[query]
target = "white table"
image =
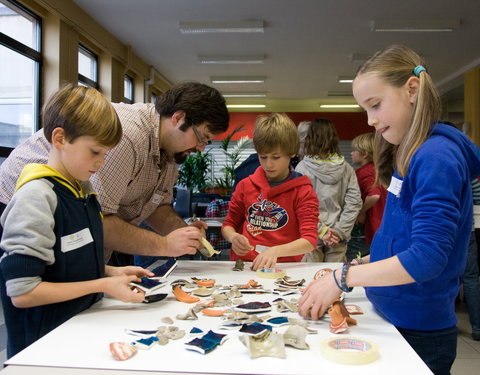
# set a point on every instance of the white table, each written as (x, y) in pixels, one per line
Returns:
(81, 345)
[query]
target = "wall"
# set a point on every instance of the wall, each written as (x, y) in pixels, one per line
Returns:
(348, 125)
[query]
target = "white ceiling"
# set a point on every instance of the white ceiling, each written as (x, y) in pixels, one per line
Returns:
(307, 43)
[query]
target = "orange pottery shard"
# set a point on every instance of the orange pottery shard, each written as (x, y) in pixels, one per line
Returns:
(212, 312)
(182, 296)
(208, 283)
(122, 350)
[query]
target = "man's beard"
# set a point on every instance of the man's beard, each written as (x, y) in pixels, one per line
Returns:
(180, 157)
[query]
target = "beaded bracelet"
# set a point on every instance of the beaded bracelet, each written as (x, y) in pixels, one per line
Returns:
(343, 279)
(343, 287)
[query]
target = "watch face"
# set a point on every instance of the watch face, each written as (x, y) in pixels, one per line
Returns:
(166, 268)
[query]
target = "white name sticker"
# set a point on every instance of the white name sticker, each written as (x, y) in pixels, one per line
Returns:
(260, 248)
(395, 186)
(75, 240)
(156, 199)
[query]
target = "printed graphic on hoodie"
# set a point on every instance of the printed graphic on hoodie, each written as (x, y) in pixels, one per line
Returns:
(265, 215)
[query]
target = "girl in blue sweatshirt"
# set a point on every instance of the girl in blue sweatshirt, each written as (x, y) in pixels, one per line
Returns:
(419, 252)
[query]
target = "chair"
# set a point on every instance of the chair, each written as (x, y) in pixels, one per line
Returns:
(183, 202)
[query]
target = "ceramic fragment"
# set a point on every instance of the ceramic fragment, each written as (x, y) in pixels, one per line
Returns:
(190, 315)
(268, 344)
(295, 336)
(167, 320)
(145, 343)
(122, 350)
(203, 292)
(183, 296)
(239, 265)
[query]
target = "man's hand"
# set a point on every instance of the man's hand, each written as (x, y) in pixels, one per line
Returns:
(183, 241)
(201, 225)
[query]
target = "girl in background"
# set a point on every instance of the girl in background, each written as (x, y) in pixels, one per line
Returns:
(335, 183)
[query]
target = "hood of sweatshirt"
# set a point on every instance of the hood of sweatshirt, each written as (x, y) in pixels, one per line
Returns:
(259, 179)
(329, 171)
(35, 171)
(467, 148)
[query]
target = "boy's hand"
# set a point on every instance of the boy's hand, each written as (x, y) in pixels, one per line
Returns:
(127, 271)
(119, 288)
(240, 244)
(267, 259)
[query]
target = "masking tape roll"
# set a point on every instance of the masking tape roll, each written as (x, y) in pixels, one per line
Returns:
(349, 350)
(271, 273)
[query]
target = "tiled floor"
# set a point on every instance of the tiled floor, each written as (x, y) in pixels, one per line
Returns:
(468, 351)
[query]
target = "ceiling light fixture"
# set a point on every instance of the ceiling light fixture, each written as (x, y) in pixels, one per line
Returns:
(244, 94)
(237, 79)
(221, 27)
(420, 25)
(345, 79)
(339, 106)
(245, 105)
(220, 59)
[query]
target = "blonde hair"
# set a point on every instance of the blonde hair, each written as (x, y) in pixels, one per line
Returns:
(322, 139)
(395, 65)
(363, 143)
(276, 131)
(82, 111)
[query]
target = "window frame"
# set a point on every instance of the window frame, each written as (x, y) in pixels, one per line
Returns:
(83, 79)
(31, 53)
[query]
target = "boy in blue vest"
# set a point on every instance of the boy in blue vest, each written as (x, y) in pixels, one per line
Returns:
(53, 265)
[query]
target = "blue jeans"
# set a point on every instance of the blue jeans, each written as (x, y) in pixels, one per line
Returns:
(437, 349)
(355, 246)
(471, 285)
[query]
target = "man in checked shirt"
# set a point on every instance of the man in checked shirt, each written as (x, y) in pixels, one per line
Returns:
(136, 183)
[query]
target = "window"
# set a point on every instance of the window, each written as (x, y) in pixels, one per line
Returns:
(87, 67)
(19, 75)
(153, 98)
(128, 89)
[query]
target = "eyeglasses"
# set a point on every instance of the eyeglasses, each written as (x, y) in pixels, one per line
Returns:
(201, 141)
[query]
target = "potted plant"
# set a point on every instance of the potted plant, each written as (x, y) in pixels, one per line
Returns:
(232, 159)
(193, 173)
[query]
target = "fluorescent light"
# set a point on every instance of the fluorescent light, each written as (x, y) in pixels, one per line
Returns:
(339, 106)
(244, 94)
(237, 79)
(219, 59)
(245, 105)
(345, 79)
(419, 25)
(221, 27)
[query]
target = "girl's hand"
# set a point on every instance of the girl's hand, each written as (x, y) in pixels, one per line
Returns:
(127, 271)
(240, 244)
(119, 288)
(267, 259)
(318, 296)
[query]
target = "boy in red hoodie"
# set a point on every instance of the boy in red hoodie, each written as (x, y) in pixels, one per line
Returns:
(273, 213)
